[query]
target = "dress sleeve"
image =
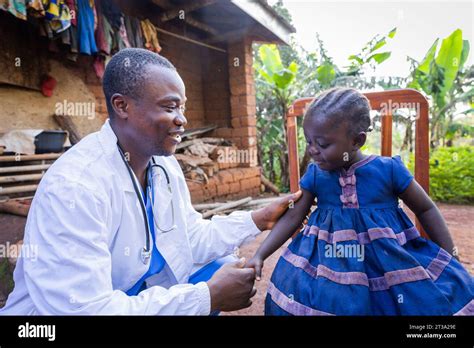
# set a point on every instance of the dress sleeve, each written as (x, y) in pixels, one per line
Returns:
(401, 176)
(308, 181)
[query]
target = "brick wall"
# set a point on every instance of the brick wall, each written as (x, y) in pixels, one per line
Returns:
(243, 130)
(220, 90)
(227, 184)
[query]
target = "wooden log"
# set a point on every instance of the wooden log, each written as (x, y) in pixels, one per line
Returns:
(17, 189)
(15, 208)
(261, 201)
(66, 123)
(193, 161)
(226, 206)
(20, 178)
(269, 185)
(30, 168)
(197, 131)
(22, 158)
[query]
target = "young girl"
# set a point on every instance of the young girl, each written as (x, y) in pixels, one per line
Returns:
(360, 254)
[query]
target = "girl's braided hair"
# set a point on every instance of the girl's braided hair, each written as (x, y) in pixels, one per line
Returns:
(342, 105)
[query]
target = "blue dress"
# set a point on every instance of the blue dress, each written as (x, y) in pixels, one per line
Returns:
(361, 255)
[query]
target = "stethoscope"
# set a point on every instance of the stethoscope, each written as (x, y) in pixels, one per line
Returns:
(146, 251)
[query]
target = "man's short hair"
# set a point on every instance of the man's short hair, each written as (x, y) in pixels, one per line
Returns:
(126, 73)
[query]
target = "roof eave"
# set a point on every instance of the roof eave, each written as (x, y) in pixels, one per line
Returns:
(267, 18)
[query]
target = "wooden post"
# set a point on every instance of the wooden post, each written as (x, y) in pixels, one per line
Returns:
(386, 138)
(292, 134)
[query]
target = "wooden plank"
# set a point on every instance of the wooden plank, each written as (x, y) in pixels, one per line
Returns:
(292, 134)
(22, 158)
(17, 189)
(19, 178)
(386, 137)
(226, 206)
(189, 19)
(171, 14)
(31, 168)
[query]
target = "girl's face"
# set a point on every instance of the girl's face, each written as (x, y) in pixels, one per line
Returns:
(330, 144)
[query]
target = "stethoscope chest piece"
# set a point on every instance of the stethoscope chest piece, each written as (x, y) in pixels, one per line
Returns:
(145, 255)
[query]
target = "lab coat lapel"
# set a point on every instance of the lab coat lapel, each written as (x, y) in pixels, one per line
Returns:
(168, 243)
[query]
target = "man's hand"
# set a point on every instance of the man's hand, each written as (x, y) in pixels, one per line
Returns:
(231, 287)
(266, 217)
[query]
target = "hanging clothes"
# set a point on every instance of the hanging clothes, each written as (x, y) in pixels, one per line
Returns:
(72, 7)
(15, 7)
(134, 31)
(112, 13)
(151, 36)
(58, 16)
(123, 34)
(104, 32)
(85, 27)
(35, 9)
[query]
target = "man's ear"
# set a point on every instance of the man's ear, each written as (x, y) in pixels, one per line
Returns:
(359, 140)
(120, 105)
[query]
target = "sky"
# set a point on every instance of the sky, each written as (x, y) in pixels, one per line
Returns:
(345, 27)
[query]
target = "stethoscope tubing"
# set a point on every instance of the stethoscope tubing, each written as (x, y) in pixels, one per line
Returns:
(146, 252)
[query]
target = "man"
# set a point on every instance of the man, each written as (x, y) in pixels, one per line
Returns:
(112, 218)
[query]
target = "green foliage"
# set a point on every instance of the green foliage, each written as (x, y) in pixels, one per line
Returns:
(451, 174)
(369, 54)
(272, 70)
(443, 77)
(6, 277)
(285, 73)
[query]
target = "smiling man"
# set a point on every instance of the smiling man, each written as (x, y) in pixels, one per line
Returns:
(112, 218)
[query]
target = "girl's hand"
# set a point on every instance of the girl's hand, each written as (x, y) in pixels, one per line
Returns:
(256, 263)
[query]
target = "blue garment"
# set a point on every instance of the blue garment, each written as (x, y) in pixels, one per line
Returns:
(157, 262)
(85, 27)
(361, 255)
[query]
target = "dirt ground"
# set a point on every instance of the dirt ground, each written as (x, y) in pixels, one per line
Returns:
(458, 217)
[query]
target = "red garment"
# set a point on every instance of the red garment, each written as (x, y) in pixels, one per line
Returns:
(47, 85)
(72, 7)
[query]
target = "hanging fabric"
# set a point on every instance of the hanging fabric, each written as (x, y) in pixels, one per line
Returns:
(15, 7)
(58, 15)
(85, 27)
(134, 31)
(151, 36)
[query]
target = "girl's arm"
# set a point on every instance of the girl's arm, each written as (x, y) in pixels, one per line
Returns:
(283, 230)
(429, 216)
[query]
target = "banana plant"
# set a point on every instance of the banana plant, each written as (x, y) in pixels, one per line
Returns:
(442, 76)
(370, 53)
(279, 78)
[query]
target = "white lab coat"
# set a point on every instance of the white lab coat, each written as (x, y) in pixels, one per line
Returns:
(88, 227)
